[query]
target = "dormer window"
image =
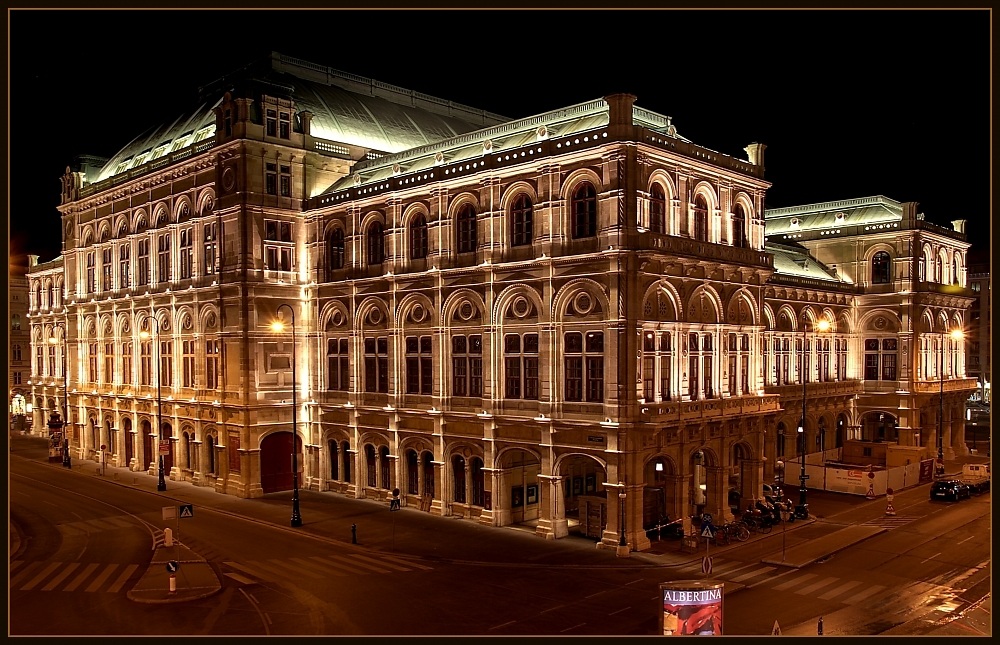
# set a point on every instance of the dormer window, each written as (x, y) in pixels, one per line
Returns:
(795, 222)
(839, 217)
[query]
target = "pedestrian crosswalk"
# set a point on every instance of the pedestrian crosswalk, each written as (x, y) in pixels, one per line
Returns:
(93, 577)
(318, 567)
(88, 527)
(891, 521)
(811, 585)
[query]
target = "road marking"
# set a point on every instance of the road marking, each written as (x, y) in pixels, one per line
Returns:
(241, 579)
(83, 576)
(752, 574)
(122, 578)
(68, 569)
(328, 567)
(552, 609)
(830, 595)
(861, 595)
(620, 610)
(359, 564)
(24, 573)
(384, 562)
(99, 580)
(295, 566)
(573, 627)
(407, 563)
(930, 558)
(273, 571)
(510, 622)
(41, 576)
(817, 585)
(794, 581)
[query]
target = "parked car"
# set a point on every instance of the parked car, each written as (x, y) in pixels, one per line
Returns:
(951, 489)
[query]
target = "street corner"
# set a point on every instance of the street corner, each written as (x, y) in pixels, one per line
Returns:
(175, 581)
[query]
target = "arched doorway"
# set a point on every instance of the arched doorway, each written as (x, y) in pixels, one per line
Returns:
(841, 431)
(147, 444)
(586, 507)
(129, 440)
(740, 482)
(276, 461)
(659, 493)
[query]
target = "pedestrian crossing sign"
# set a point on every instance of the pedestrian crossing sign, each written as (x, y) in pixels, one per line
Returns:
(708, 531)
(187, 510)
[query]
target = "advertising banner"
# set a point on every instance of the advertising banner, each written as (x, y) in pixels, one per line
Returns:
(691, 608)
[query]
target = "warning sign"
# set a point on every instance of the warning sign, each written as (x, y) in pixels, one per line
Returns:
(187, 510)
(708, 531)
(776, 630)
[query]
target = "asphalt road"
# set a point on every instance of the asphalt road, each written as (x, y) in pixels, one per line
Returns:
(415, 574)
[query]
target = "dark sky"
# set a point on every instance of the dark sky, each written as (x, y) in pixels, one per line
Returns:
(850, 103)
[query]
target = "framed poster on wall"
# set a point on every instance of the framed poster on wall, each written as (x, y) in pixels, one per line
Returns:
(591, 483)
(578, 485)
(533, 494)
(517, 496)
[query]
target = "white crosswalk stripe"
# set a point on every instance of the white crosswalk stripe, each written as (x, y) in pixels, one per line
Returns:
(890, 521)
(69, 576)
(320, 566)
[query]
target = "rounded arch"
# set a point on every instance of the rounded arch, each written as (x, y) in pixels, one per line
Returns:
(568, 456)
(662, 291)
(140, 221)
(706, 190)
(566, 294)
(365, 319)
(456, 299)
(666, 182)
(208, 318)
(122, 226)
(161, 215)
(515, 190)
(880, 320)
(501, 454)
(506, 297)
(768, 317)
(206, 202)
(700, 312)
(182, 209)
(88, 236)
(786, 319)
(333, 314)
(742, 309)
(413, 306)
(104, 231)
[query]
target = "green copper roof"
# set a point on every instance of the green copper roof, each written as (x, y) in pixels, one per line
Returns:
(831, 215)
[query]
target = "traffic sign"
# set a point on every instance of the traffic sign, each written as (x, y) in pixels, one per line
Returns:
(173, 566)
(187, 510)
(706, 518)
(708, 531)
(776, 630)
(706, 565)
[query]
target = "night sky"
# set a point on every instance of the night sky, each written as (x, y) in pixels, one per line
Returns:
(850, 103)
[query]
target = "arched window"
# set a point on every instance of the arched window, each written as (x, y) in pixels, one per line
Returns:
(584, 210)
(335, 249)
(209, 452)
(954, 271)
(383, 467)
(376, 243)
(345, 448)
(740, 228)
(334, 459)
(880, 268)
(467, 229)
(521, 216)
(418, 238)
(412, 473)
(657, 209)
(370, 464)
(458, 476)
(700, 219)
(15, 323)
(51, 296)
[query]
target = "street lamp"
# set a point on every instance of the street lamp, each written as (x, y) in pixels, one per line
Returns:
(956, 335)
(161, 484)
(802, 510)
(67, 460)
(622, 542)
(279, 326)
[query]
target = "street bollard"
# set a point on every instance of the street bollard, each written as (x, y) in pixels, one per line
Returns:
(168, 537)
(173, 584)
(354, 533)
(819, 627)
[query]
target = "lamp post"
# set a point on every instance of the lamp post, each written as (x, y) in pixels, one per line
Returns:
(802, 510)
(279, 326)
(161, 484)
(956, 335)
(622, 542)
(67, 460)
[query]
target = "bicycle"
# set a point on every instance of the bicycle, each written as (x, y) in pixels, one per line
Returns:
(738, 529)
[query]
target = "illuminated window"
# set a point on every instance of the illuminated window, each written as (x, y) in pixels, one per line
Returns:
(880, 359)
(584, 211)
(467, 229)
(418, 238)
(584, 366)
(700, 219)
(211, 247)
(467, 365)
(375, 238)
(521, 216)
(881, 264)
(657, 209)
(278, 245)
